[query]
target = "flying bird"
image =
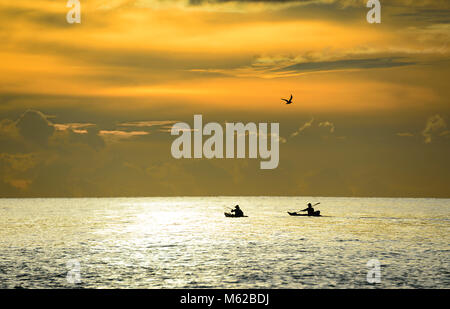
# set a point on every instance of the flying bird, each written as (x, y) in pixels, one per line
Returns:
(288, 101)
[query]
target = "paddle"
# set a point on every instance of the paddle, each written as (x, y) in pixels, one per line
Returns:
(312, 205)
(229, 209)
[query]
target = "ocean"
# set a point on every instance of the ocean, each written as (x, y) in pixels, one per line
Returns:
(186, 242)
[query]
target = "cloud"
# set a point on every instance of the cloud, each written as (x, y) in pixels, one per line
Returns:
(90, 136)
(8, 129)
(14, 169)
(303, 127)
(32, 130)
(282, 140)
(369, 63)
(223, 5)
(168, 129)
(307, 62)
(122, 133)
(198, 2)
(310, 124)
(326, 124)
(435, 125)
(431, 16)
(143, 124)
(405, 134)
(34, 126)
(445, 133)
(19, 162)
(75, 127)
(333, 3)
(118, 134)
(260, 134)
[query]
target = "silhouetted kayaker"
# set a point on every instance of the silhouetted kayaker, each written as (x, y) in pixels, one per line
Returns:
(237, 211)
(310, 210)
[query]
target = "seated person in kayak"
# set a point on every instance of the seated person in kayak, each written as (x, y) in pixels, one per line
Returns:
(237, 211)
(310, 210)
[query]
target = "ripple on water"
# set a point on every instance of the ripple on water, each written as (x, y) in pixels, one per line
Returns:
(186, 242)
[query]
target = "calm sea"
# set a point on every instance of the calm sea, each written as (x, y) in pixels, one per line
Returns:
(186, 242)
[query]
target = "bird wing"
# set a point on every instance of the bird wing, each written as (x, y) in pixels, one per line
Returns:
(285, 100)
(290, 98)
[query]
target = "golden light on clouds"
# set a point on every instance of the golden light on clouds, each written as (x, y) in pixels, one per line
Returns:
(115, 83)
(130, 41)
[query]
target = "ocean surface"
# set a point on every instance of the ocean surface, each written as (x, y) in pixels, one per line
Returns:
(186, 242)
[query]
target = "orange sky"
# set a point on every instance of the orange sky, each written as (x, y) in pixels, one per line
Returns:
(220, 51)
(152, 60)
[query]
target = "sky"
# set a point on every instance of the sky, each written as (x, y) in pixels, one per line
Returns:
(86, 109)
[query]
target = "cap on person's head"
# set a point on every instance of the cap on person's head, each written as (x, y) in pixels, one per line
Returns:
(237, 206)
(309, 204)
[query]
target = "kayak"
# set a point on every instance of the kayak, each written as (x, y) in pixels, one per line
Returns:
(316, 214)
(227, 214)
